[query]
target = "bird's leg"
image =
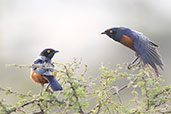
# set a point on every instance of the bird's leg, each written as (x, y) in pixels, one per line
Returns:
(41, 90)
(47, 89)
(131, 64)
(138, 64)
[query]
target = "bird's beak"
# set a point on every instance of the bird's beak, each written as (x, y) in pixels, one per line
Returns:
(103, 33)
(56, 51)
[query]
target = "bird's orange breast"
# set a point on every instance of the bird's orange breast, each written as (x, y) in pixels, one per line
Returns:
(37, 78)
(128, 42)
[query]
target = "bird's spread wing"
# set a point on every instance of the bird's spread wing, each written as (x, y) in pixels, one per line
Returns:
(154, 44)
(148, 52)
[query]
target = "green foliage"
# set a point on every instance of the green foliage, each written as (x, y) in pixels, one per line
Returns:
(81, 92)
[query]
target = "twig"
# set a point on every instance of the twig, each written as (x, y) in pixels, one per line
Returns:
(67, 104)
(25, 104)
(97, 106)
(134, 112)
(108, 110)
(165, 112)
(74, 92)
(146, 94)
(123, 87)
(62, 102)
(33, 101)
(119, 99)
(41, 109)
(33, 66)
(155, 96)
(14, 92)
(4, 108)
(161, 103)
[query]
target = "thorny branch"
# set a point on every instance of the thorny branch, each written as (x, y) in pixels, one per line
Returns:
(14, 92)
(32, 66)
(165, 112)
(119, 90)
(98, 110)
(74, 92)
(146, 94)
(14, 109)
(38, 101)
(4, 108)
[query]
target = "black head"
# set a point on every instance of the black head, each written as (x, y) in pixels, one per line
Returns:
(111, 33)
(49, 53)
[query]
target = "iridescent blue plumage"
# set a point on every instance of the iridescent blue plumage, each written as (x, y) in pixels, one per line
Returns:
(43, 70)
(144, 48)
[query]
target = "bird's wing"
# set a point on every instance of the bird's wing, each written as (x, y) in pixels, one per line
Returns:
(43, 67)
(148, 52)
(128, 42)
(154, 44)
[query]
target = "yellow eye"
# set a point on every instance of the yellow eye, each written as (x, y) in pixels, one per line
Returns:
(110, 31)
(48, 51)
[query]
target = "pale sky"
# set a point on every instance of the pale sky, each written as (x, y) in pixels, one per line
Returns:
(73, 27)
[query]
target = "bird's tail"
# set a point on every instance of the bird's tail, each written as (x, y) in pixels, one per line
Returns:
(54, 83)
(151, 57)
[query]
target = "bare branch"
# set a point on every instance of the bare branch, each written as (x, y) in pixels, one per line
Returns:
(123, 87)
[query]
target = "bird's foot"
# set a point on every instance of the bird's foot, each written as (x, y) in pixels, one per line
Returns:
(132, 63)
(130, 66)
(138, 66)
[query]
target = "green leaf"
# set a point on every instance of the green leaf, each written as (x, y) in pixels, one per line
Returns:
(21, 96)
(143, 90)
(134, 93)
(140, 83)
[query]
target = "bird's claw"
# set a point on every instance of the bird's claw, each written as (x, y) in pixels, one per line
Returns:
(130, 66)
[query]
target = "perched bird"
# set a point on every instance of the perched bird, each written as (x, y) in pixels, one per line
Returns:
(143, 47)
(42, 71)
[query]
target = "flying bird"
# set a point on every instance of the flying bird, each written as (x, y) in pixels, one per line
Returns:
(42, 71)
(145, 49)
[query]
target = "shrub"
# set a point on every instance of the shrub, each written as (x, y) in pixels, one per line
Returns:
(82, 91)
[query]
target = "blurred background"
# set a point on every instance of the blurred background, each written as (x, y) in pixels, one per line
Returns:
(73, 27)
